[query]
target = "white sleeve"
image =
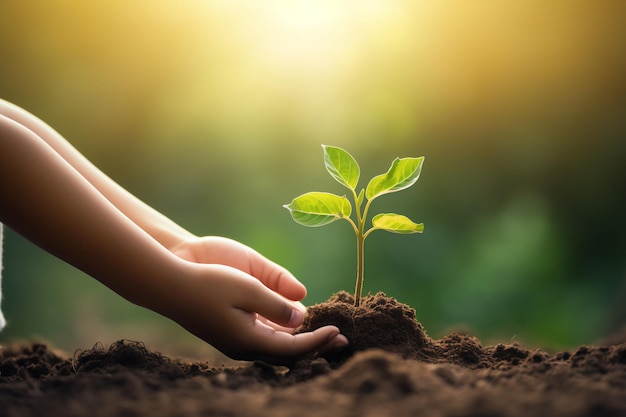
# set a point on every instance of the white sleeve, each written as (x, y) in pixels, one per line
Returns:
(2, 321)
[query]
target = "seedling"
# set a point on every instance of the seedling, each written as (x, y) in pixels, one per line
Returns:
(316, 209)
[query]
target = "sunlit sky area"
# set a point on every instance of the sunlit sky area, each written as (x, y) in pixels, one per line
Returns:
(350, 71)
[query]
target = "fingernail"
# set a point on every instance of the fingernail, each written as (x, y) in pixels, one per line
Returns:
(296, 319)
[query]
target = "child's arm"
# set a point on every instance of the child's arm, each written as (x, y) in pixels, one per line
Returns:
(178, 240)
(47, 199)
(154, 223)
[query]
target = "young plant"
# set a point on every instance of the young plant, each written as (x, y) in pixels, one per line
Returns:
(316, 209)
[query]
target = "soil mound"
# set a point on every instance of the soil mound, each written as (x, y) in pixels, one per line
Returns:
(378, 322)
(392, 368)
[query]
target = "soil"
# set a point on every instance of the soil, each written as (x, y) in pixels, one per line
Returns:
(391, 368)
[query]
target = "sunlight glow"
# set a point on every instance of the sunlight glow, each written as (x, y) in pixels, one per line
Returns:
(308, 13)
(315, 34)
(317, 70)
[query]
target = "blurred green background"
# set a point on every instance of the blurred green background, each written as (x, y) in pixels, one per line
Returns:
(214, 111)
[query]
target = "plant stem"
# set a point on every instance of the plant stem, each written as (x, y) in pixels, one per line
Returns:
(360, 244)
(360, 240)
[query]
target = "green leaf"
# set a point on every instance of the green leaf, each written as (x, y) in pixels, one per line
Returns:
(318, 209)
(402, 174)
(341, 166)
(396, 223)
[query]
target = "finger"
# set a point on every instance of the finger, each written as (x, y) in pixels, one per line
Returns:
(283, 346)
(257, 298)
(278, 327)
(275, 326)
(275, 277)
(337, 343)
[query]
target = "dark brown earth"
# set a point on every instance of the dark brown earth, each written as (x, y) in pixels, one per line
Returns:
(392, 368)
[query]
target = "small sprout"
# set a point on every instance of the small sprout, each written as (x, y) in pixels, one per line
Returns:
(316, 209)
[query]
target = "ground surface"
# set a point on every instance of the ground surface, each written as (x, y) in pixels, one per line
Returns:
(392, 370)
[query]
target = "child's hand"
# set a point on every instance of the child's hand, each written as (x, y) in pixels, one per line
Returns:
(244, 304)
(228, 252)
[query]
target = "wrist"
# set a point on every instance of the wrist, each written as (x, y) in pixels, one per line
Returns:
(170, 235)
(156, 278)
